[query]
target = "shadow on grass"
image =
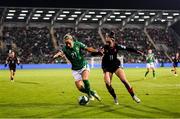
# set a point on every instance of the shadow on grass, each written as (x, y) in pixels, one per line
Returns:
(137, 80)
(163, 111)
(25, 82)
(101, 110)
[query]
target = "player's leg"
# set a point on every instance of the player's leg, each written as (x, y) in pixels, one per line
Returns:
(108, 80)
(11, 75)
(14, 71)
(147, 72)
(172, 70)
(152, 66)
(154, 74)
(78, 81)
(148, 69)
(175, 71)
(80, 86)
(85, 76)
(121, 75)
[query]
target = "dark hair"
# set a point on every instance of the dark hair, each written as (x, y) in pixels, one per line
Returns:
(111, 34)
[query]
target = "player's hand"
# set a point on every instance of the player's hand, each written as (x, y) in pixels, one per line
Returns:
(52, 60)
(101, 51)
(140, 52)
(97, 52)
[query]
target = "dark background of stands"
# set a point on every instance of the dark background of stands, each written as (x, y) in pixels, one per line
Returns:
(40, 38)
(176, 27)
(111, 4)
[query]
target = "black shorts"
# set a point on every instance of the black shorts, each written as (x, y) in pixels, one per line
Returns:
(12, 68)
(111, 68)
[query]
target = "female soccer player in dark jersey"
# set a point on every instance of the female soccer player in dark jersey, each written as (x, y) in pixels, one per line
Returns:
(175, 61)
(80, 67)
(111, 64)
(12, 60)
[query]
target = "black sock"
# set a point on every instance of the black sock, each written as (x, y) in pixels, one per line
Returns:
(130, 89)
(11, 78)
(111, 90)
(146, 73)
(131, 92)
(87, 87)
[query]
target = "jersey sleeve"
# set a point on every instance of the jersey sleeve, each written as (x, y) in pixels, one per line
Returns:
(63, 49)
(82, 45)
(122, 47)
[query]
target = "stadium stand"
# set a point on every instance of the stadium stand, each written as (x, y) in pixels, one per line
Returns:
(28, 31)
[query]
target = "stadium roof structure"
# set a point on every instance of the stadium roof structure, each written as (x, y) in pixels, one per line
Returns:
(97, 16)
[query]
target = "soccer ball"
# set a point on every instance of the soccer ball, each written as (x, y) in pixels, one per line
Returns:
(83, 100)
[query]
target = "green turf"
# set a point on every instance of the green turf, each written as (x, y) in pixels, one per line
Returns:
(52, 93)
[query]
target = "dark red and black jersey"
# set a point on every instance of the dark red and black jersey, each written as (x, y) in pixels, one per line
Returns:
(110, 53)
(12, 61)
(175, 60)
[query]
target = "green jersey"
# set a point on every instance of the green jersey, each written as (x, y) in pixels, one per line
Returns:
(150, 58)
(75, 56)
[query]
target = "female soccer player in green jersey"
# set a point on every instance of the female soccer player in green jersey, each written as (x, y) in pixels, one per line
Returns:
(80, 67)
(150, 60)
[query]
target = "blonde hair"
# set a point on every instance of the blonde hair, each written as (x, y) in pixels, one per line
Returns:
(68, 36)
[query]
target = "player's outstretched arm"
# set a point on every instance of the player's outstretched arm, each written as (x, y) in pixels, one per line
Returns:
(171, 59)
(95, 52)
(18, 61)
(122, 47)
(140, 52)
(62, 55)
(59, 54)
(90, 49)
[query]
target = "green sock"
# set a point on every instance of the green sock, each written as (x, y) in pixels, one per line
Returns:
(154, 74)
(87, 87)
(83, 89)
(92, 92)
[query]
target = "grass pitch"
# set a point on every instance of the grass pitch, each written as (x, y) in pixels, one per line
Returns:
(52, 94)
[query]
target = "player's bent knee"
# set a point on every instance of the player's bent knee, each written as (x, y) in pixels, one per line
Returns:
(79, 84)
